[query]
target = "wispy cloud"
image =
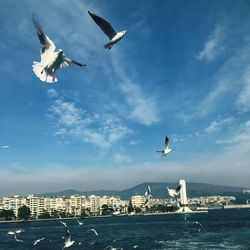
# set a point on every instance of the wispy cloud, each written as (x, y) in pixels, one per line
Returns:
(243, 101)
(212, 46)
(218, 124)
(143, 107)
(120, 158)
(100, 130)
(51, 93)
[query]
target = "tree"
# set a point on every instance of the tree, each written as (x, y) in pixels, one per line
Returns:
(7, 214)
(85, 212)
(44, 215)
(24, 212)
(138, 210)
(106, 210)
(130, 207)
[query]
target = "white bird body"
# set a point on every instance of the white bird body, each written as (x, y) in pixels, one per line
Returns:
(11, 233)
(37, 241)
(68, 242)
(18, 231)
(166, 150)
(93, 230)
(80, 223)
(115, 39)
(64, 223)
(172, 192)
(109, 31)
(51, 60)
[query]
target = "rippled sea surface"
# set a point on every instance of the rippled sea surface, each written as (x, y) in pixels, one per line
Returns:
(219, 229)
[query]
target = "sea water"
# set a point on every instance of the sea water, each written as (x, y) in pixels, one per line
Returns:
(217, 229)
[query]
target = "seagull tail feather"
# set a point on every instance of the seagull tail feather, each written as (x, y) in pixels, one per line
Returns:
(42, 74)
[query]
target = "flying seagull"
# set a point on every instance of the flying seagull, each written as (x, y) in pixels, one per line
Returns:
(67, 240)
(107, 28)
(37, 241)
(20, 230)
(51, 60)
(166, 149)
(80, 223)
(196, 222)
(112, 248)
(148, 194)
(64, 223)
(174, 192)
(17, 239)
(93, 230)
(11, 232)
(4, 146)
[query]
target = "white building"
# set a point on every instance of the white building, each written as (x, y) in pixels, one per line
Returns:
(138, 200)
(94, 204)
(13, 203)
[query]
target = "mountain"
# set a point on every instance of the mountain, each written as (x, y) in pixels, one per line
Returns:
(158, 190)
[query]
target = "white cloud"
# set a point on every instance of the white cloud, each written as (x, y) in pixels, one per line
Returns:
(100, 130)
(218, 124)
(52, 93)
(212, 46)
(243, 101)
(143, 107)
(120, 158)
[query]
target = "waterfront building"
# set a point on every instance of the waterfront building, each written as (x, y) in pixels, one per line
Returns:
(36, 205)
(94, 205)
(138, 201)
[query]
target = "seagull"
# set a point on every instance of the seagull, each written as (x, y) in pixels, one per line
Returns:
(64, 223)
(51, 60)
(196, 222)
(148, 194)
(20, 230)
(166, 149)
(93, 230)
(11, 233)
(174, 192)
(17, 239)
(107, 28)
(112, 248)
(80, 223)
(37, 241)
(67, 241)
(4, 146)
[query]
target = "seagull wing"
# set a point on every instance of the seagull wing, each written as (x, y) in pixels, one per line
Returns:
(65, 62)
(166, 141)
(177, 190)
(105, 26)
(67, 237)
(149, 190)
(46, 44)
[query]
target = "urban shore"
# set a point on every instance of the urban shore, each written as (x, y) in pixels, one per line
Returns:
(76, 206)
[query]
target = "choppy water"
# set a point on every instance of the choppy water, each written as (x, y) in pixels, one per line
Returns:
(222, 229)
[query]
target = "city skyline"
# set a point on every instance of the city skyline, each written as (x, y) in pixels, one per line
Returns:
(181, 70)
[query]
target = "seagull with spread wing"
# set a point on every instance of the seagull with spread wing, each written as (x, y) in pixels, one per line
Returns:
(67, 240)
(148, 194)
(109, 31)
(51, 60)
(166, 149)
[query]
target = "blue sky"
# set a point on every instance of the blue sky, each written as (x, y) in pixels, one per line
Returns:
(183, 69)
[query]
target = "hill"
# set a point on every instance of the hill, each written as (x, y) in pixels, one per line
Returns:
(158, 190)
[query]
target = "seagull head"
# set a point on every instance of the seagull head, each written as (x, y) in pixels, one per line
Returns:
(124, 32)
(60, 51)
